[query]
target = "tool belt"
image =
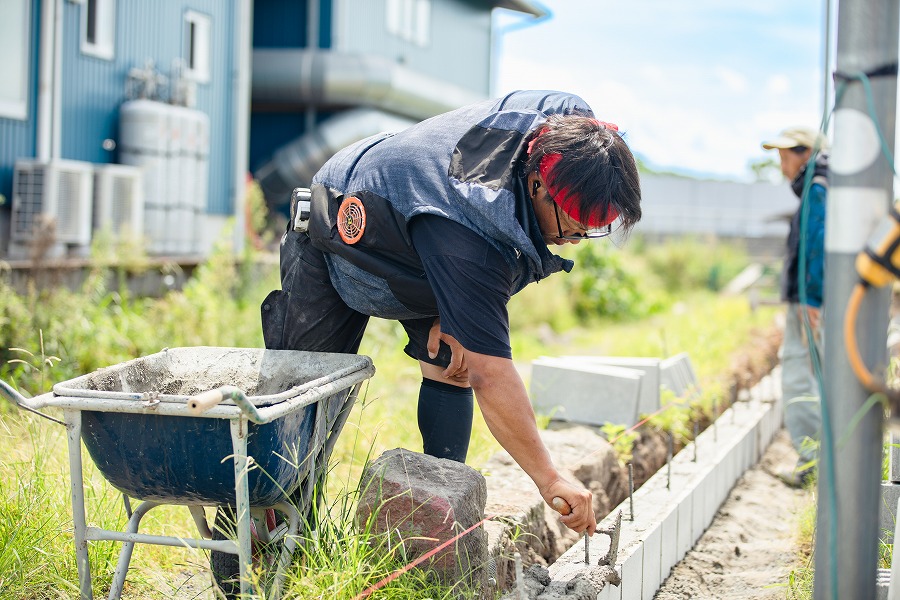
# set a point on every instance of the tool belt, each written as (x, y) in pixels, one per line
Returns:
(300, 209)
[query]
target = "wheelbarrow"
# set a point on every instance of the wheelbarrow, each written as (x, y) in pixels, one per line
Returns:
(243, 428)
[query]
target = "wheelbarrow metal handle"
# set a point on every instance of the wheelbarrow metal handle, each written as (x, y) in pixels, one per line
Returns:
(11, 394)
(204, 401)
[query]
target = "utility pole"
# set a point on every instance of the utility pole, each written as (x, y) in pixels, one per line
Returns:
(860, 194)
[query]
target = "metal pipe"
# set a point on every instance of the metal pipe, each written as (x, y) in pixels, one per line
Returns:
(45, 81)
(134, 522)
(242, 501)
(859, 197)
(241, 88)
(79, 522)
(96, 534)
(56, 122)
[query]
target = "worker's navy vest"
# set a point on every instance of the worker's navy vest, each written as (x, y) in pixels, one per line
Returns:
(464, 165)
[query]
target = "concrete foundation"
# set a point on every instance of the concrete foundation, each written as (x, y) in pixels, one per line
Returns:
(671, 514)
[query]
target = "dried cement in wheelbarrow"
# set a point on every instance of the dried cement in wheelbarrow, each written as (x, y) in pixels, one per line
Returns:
(187, 459)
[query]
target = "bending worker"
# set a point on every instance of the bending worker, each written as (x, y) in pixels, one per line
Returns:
(437, 226)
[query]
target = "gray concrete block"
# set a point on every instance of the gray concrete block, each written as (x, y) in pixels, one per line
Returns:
(685, 539)
(668, 546)
(883, 584)
(651, 563)
(677, 375)
(589, 394)
(890, 493)
(649, 400)
(610, 592)
(632, 575)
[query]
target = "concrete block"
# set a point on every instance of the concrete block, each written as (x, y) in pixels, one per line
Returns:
(894, 469)
(651, 563)
(632, 575)
(890, 493)
(649, 399)
(610, 592)
(677, 374)
(685, 539)
(587, 394)
(883, 584)
(668, 545)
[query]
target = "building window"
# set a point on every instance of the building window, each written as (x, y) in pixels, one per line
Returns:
(98, 28)
(197, 46)
(409, 20)
(15, 48)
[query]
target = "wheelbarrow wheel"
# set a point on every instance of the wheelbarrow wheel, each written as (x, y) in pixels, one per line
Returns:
(226, 567)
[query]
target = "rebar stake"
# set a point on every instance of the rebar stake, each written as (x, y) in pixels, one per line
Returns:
(631, 490)
(669, 461)
(587, 549)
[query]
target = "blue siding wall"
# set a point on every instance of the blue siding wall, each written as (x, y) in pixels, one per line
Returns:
(93, 88)
(18, 138)
(283, 23)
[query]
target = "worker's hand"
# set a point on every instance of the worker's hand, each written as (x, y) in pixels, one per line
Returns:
(577, 500)
(457, 370)
(813, 313)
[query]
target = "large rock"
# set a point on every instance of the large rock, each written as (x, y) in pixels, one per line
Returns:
(426, 501)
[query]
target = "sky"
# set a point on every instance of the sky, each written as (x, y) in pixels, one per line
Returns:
(695, 85)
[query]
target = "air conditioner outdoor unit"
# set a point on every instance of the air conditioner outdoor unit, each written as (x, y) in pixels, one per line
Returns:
(119, 199)
(60, 191)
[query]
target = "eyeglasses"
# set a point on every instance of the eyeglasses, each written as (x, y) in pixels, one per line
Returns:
(591, 233)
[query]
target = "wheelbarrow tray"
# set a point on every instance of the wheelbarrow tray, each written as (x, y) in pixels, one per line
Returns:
(137, 429)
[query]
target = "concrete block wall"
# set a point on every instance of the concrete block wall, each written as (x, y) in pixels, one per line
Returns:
(671, 515)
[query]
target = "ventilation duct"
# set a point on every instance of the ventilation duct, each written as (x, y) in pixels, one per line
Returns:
(295, 164)
(291, 79)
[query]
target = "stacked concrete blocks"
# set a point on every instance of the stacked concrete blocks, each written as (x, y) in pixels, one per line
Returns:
(669, 519)
(584, 393)
(595, 390)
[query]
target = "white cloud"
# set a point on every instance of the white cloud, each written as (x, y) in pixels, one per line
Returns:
(697, 91)
(734, 81)
(778, 85)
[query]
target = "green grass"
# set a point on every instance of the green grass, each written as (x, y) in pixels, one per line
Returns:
(102, 324)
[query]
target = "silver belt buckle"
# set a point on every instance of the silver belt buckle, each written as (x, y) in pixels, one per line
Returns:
(300, 205)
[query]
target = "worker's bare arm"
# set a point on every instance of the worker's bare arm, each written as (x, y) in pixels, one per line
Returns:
(507, 411)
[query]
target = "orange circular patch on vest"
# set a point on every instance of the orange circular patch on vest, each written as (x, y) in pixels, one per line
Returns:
(351, 220)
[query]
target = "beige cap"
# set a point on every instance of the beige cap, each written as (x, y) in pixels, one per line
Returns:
(797, 136)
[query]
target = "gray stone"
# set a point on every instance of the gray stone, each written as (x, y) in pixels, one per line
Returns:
(421, 501)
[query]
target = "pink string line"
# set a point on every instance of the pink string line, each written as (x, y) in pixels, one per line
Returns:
(437, 549)
(422, 558)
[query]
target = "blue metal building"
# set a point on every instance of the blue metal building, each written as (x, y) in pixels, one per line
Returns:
(72, 65)
(163, 88)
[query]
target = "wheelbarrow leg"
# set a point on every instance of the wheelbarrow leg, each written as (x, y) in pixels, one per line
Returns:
(290, 544)
(118, 582)
(76, 475)
(242, 502)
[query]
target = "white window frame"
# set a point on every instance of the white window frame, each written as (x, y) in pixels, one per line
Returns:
(197, 39)
(104, 43)
(409, 20)
(16, 53)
